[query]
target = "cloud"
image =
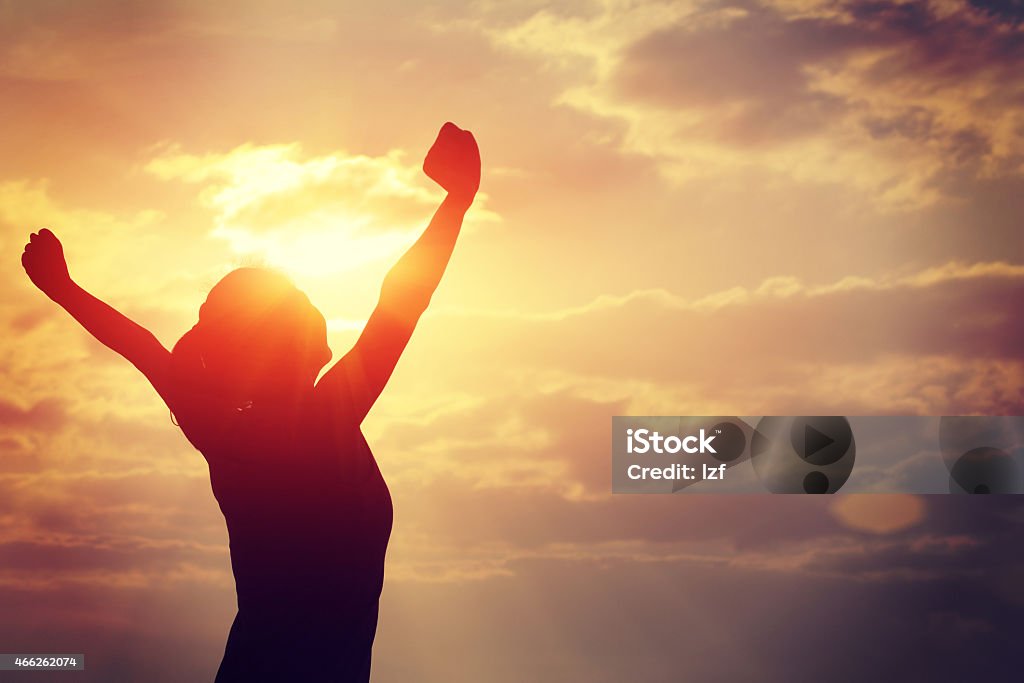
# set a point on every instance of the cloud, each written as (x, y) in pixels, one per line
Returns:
(783, 287)
(315, 215)
(939, 341)
(893, 100)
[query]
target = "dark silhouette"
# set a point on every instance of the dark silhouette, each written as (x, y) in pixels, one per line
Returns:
(307, 511)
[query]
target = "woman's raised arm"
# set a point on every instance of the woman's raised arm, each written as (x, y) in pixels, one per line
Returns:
(355, 381)
(44, 263)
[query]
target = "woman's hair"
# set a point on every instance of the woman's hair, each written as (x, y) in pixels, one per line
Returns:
(257, 334)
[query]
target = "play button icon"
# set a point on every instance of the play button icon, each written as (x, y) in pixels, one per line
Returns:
(814, 441)
(821, 440)
(803, 454)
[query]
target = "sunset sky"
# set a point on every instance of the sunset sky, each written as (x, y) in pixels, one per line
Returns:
(687, 208)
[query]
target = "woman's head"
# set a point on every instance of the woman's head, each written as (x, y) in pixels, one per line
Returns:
(257, 337)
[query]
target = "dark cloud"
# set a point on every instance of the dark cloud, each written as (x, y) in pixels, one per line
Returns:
(1009, 11)
(949, 47)
(916, 123)
(917, 605)
(756, 61)
(664, 622)
(753, 75)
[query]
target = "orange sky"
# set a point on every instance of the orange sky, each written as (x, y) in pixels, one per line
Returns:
(789, 206)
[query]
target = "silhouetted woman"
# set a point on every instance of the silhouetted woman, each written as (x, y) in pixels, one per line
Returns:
(307, 511)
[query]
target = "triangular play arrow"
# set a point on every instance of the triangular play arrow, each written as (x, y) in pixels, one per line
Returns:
(815, 441)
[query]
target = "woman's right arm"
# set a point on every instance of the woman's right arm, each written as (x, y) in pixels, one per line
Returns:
(44, 263)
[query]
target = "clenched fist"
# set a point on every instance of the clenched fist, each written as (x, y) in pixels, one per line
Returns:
(44, 262)
(453, 162)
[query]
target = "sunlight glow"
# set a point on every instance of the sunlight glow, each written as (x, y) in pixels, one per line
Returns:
(318, 251)
(311, 215)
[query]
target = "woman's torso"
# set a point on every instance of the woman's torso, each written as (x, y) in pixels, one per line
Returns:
(309, 517)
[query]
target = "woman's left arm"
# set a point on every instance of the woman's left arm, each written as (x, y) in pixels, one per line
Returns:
(355, 381)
